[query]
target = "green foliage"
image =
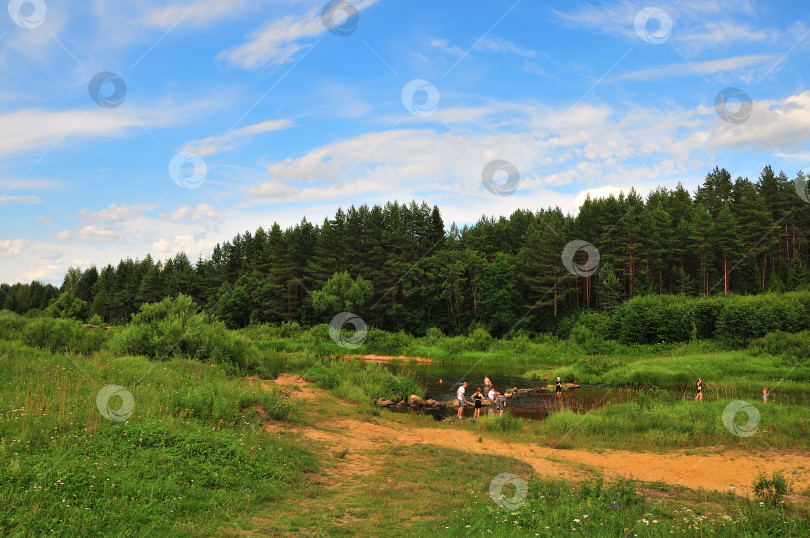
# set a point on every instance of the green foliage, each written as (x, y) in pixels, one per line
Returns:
(732, 320)
(69, 306)
(360, 381)
(341, 293)
(11, 324)
(771, 490)
(501, 423)
(746, 318)
(175, 328)
(778, 343)
(58, 335)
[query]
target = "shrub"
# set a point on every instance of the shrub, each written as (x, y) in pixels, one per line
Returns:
(10, 325)
(175, 328)
(747, 318)
(771, 490)
(58, 335)
(779, 343)
(356, 380)
(385, 343)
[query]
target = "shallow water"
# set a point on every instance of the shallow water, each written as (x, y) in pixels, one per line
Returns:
(532, 405)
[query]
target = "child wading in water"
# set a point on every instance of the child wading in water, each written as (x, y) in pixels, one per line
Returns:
(765, 395)
(478, 398)
(699, 395)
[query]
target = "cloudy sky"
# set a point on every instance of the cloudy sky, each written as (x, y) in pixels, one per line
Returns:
(139, 127)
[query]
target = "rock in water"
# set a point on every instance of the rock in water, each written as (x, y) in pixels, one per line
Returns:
(413, 399)
(382, 402)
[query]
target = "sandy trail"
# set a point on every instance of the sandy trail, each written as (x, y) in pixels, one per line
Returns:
(711, 471)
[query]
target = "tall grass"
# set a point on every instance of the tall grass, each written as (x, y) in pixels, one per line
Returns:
(191, 455)
(554, 507)
(358, 381)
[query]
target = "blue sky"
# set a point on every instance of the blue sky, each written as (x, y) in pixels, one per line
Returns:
(270, 116)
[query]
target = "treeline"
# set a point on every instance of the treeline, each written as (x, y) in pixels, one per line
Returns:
(400, 268)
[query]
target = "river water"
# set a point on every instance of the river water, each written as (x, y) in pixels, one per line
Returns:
(441, 381)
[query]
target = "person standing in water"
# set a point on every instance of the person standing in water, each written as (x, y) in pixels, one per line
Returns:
(765, 395)
(478, 398)
(559, 388)
(462, 400)
(699, 395)
(487, 384)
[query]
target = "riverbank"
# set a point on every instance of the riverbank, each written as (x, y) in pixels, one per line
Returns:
(390, 473)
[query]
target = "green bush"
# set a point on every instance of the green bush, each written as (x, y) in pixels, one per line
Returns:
(771, 490)
(782, 344)
(385, 343)
(356, 380)
(175, 328)
(746, 318)
(656, 318)
(11, 324)
(59, 335)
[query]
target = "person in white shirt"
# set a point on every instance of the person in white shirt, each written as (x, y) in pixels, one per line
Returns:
(462, 400)
(491, 395)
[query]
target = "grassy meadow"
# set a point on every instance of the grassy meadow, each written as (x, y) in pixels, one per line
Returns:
(206, 450)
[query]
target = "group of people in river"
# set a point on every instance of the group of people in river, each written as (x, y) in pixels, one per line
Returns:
(478, 399)
(499, 399)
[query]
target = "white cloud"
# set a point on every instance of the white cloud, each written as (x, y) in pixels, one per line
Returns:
(12, 247)
(562, 148)
(196, 13)
(712, 34)
(101, 234)
(112, 214)
(444, 45)
(200, 213)
(233, 139)
(502, 46)
(697, 24)
(280, 39)
(781, 125)
(700, 68)
(6, 199)
(191, 244)
(31, 129)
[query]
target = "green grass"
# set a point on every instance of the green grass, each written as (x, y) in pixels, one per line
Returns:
(360, 382)
(661, 424)
(191, 455)
(598, 508)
